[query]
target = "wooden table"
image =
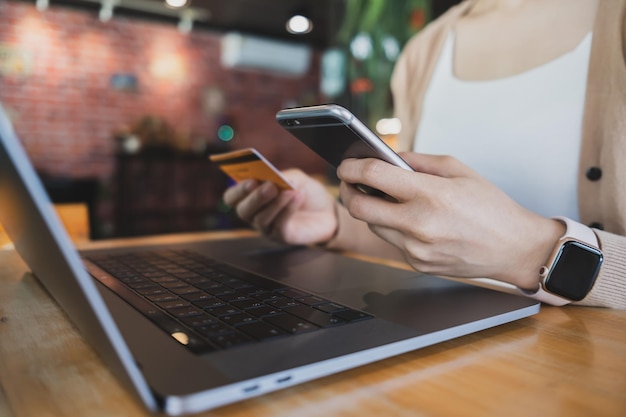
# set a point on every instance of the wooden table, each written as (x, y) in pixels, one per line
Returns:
(568, 361)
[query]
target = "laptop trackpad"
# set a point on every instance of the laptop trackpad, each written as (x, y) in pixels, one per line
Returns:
(307, 268)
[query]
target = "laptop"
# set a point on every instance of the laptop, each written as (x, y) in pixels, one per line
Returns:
(195, 326)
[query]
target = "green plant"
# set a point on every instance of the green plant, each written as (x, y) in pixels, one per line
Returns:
(372, 34)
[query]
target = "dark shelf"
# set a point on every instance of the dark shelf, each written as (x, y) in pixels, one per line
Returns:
(168, 192)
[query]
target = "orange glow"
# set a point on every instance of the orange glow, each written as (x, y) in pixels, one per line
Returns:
(168, 67)
(4, 239)
(166, 61)
(33, 32)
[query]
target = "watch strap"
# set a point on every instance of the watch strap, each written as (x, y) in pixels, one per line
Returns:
(579, 232)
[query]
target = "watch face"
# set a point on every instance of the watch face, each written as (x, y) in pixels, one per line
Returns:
(575, 270)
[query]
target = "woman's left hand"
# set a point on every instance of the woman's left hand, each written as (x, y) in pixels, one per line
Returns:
(448, 220)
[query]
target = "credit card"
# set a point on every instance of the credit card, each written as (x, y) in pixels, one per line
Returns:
(248, 163)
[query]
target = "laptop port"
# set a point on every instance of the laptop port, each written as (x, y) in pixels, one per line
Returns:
(283, 379)
(251, 388)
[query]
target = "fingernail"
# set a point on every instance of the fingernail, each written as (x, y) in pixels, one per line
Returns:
(248, 185)
(267, 189)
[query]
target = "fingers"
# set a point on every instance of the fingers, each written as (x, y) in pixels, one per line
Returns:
(267, 218)
(296, 177)
(238, 192)
(371, 209)
(257, 203)
(401, 184)
(439, 165)
(397, 182)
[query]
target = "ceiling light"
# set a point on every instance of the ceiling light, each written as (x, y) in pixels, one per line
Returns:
(299, 24)
(176, 3)
(42, 5)
(106, 11)
(185, 24)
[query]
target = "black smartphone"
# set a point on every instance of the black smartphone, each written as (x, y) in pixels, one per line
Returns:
(335, 134)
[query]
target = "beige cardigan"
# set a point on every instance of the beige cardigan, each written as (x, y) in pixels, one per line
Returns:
(602, 203)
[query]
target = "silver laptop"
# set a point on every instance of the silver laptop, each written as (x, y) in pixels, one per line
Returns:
(196, 326)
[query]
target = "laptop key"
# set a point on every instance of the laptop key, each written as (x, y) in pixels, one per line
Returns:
(188, 289)
(154, 290)
(267, 296)
(331, 307)
(352, 315)
(140, 285)
(293, 293)
(284, 303)
(165, 280)
(247, 304)
(174, 284)
(264, 311)
(231, 297)
(188, 311)
(199, 321)
(317, 317)
(290, 324)
(231, 340)
(238, 319)
(162, 297)
(209, 303)
(168, 305)
(197, 281)
(224, 310)
(312, 300)
(260, 330)
(197, 296)
(214, 329)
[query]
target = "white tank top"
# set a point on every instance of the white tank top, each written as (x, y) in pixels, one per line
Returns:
(523, 132)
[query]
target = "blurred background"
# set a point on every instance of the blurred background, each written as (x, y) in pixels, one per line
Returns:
(119, 102)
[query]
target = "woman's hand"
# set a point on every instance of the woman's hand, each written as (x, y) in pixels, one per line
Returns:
(448, 220)
(304, 215)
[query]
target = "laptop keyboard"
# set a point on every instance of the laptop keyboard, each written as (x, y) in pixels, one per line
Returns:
(208, 305)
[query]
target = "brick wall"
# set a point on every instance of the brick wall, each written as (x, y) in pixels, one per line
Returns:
(65, 110)
(56, 68)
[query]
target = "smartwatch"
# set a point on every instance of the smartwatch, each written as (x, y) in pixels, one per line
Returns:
(572, 268)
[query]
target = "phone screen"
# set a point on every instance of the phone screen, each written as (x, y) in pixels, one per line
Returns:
(333, 142)
(336, 135)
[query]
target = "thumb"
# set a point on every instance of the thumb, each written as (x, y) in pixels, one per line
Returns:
(440, 165)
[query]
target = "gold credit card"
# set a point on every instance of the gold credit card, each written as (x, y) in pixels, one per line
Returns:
(249, 164)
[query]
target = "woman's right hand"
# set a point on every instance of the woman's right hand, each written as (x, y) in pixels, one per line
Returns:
(304, 215)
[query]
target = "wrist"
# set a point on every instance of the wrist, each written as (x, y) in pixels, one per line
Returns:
(546, 235)
(327, 243)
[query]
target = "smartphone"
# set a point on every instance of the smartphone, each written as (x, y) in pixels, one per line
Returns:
(248, 163)
(335, 134)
